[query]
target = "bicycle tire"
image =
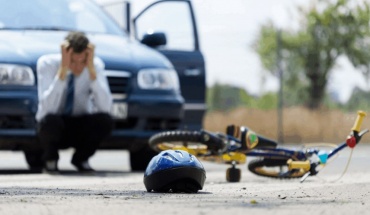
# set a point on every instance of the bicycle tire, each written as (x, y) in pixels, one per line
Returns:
(262, 167)
(193, 138)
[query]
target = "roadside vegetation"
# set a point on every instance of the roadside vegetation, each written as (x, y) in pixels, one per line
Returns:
(330, 123)
(306, 56)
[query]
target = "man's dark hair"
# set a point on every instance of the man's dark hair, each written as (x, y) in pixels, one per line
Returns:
(77, 41)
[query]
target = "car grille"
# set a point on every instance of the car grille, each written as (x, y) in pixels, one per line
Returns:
(119, 82)
(147, 124)
(16, 122)
(154, 124)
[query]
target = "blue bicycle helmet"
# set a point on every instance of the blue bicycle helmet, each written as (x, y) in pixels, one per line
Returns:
(176, 171)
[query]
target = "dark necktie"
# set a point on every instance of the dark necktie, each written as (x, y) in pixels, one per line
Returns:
(70, 93)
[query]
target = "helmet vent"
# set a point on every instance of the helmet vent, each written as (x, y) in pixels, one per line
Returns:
(168, 156)
(180, 154)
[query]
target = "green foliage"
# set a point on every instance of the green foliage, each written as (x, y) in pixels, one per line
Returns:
(267, 101)
(226, 97)
(309, 53)
(360, 100)
(266, 46)
(222, 97)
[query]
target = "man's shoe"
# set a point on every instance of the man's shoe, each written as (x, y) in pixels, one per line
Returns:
(51, 166)
(83, 166)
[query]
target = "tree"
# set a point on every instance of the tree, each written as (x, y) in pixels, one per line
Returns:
(215, 97)
(308, 54)
(359, 100)
(223, 97)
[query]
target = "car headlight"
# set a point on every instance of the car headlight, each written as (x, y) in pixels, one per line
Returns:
(16, 75)
(164, 79)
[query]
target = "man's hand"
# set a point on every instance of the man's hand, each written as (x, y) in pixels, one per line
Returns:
(66, 60)
(90, 61)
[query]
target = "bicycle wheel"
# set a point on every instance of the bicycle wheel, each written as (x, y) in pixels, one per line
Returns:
(273, 168)
(194, 142)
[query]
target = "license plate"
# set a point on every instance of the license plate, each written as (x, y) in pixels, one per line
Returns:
(119, 110)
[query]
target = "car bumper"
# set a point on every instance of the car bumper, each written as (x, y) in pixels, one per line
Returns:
(146, 116)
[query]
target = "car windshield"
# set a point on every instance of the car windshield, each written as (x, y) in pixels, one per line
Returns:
(78, 15)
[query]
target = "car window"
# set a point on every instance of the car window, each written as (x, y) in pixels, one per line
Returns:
(178, 29)
(80, 15)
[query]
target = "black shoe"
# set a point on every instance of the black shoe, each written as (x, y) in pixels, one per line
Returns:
(51, 167)
(83, 167)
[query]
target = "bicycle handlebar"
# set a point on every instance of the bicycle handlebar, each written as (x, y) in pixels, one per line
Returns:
(307, 165)
(360, 116)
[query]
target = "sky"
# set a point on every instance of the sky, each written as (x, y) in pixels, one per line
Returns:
(227, 29)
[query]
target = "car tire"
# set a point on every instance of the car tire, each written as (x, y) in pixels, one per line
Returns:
(139, 160)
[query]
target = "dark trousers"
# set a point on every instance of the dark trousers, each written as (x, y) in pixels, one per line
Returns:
(84, 133)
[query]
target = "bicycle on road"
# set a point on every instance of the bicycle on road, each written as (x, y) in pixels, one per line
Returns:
(233, 146)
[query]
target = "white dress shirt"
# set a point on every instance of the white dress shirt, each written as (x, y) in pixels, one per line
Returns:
(89, 96)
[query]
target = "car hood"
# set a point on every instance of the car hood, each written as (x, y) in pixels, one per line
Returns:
(117, 52)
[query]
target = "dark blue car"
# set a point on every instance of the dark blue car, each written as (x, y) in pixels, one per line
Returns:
(157, 78)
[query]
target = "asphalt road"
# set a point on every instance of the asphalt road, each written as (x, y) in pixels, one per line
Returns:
(116, 190)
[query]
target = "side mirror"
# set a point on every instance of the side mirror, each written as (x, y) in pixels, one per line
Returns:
(154, 39)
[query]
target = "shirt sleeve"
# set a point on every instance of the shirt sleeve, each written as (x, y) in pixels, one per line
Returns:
(50, 87)
(100, 89)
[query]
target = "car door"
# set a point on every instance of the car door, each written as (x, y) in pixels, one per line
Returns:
(176, 19)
